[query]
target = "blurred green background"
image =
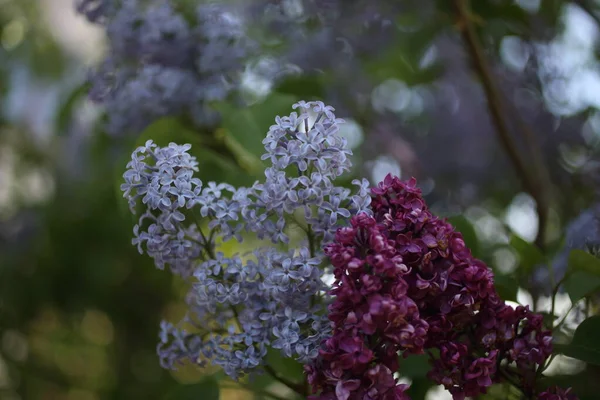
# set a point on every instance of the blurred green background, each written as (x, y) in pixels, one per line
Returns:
(80, 308)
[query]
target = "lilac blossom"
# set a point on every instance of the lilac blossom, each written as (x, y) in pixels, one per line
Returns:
(160, 64)
(405, 284)
(241, 306)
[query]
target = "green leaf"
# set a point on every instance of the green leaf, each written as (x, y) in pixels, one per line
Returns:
(259, 382)
(246, 160)
(508, 13)
(504, 391)
(206, 389)
(248, 126)
(47, 57)
(583, 275)
(548, 318)
(580, 284)
(402, 59)
(302, 86)
(529, 255)
(419, 387)
(580, 260)
(507, 286)
(415, 366)
(462, 225)
(169, 129)
(65, 110)
(551, 11)
(585, 345)
(285, 366)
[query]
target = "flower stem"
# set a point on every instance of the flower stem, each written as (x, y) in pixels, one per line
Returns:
(311, 240)
(300, 389)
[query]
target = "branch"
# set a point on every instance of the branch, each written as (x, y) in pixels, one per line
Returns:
(298, 388)
(494, 98)
(541, 175)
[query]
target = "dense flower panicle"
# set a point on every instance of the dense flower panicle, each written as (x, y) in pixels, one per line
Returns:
(273, 294)
(162, 178)
(308, 141)
(160, 64)
(241, 306)
(406, 282)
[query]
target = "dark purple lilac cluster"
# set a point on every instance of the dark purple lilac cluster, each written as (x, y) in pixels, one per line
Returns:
(372, 315)
(405, 284)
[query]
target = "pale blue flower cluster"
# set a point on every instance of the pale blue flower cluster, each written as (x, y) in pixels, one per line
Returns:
(160, 63)
(241, 306)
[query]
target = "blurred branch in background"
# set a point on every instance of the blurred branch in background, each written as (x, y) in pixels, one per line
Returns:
(533, 175)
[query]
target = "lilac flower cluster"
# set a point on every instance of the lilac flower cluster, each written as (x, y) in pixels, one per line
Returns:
(161, 63)
(241, 306)
(372, 317)
(406, 283)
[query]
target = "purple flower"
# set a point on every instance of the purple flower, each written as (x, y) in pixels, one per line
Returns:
(406, 282)
(373, 317)
(478, 375)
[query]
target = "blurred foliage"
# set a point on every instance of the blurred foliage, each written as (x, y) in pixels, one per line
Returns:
(80, 308)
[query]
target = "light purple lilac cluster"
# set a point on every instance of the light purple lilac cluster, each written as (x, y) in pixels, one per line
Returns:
(241, 306)
(407, 284)
(163, 62)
